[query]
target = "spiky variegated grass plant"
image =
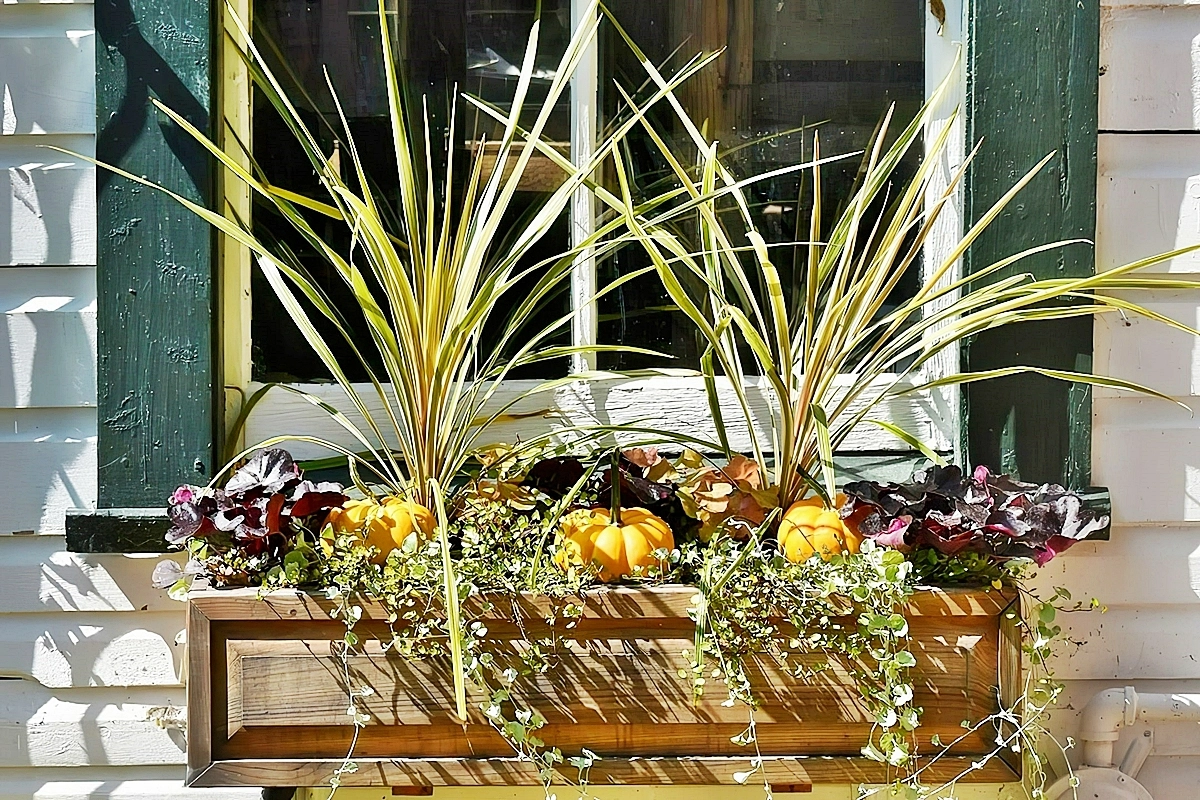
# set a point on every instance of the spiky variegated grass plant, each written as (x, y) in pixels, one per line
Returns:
(830, 360)
(427, 288)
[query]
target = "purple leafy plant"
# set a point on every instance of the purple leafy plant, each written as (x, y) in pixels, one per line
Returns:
(255, 518)
(994, 515)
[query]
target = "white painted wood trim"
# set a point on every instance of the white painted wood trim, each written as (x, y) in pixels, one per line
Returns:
(672, 403)
(584, 119)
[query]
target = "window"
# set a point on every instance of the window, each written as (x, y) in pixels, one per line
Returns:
(790, 72)
(173, 329)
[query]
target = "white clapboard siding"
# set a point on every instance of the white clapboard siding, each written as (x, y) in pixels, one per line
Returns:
(1147, 351)
(47, 352)
(109, 783)
(47, 61)
(1148, 198)
(47, 200)
(1140, 565)
(675, 403)
(38, 576)
(1147, 452)
(1148, 57)
(40, 727)
(47, 465)
(131, 648)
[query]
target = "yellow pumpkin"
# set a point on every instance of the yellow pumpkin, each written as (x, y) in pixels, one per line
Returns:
(619, 549)
(383, 526)
(810, 527)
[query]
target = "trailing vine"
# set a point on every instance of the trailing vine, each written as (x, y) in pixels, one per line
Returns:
(753, 605)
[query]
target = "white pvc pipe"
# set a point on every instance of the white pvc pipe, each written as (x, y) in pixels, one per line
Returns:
(1112, 709)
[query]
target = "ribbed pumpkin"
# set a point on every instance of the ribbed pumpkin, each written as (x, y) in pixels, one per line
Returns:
(383, 526)
(810, 527)
(618, 548)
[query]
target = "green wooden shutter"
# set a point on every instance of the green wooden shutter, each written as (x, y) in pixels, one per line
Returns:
(1032, 82)
(157, 376)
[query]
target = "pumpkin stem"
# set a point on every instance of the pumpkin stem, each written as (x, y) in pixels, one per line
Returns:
(614, 480)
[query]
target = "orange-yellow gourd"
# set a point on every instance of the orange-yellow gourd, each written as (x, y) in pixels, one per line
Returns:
(383, 526)
(810, 527)
(590, 536)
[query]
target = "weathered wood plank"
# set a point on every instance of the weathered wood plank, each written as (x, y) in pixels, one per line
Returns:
(618, 603)
(116, 530)
(272, 689)
(155, 283)
(93, 648)
(1032, 76)
(795, 772)
(38, 576)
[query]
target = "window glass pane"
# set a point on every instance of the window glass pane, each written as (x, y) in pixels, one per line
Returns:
(791, 69)
(473, 46)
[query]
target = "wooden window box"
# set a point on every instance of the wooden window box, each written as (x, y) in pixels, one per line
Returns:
(267, 704)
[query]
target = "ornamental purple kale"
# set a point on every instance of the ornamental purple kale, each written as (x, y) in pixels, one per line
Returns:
(984, 513)
(260, 509)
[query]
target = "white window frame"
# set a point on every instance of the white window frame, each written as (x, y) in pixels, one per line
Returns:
(674, 403)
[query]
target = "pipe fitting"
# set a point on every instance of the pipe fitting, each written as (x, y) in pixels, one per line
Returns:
(1113, 709)
(1103, 717)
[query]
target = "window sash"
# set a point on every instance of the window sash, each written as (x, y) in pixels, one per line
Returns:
(663, 402)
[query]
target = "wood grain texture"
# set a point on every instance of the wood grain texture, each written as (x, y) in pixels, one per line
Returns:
(155, 274)
(116, 530)
(271, 690)
(796, 772)
(1032, 72)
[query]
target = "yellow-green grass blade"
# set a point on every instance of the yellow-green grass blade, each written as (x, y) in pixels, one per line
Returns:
(910, 440)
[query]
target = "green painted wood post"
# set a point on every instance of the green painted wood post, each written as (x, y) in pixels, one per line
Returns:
(157, 375)
(1032, 82)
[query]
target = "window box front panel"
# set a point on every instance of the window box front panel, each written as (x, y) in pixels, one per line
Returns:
(268, 697)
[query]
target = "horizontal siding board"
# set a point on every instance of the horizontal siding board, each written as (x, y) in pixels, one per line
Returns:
(47, 201)
(1140, 565)
(1146, 453)
(40, 727)
(42, 480)
(1148, 199)
(93, 648)
(109, 784)
(21, 285)
(39, 576)
(1148, 57)
(46, 58)
(1147, 351)
(1126, 643)
(47, 357)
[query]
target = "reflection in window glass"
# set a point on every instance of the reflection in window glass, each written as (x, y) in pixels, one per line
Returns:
(475, 46)
(791, 70)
